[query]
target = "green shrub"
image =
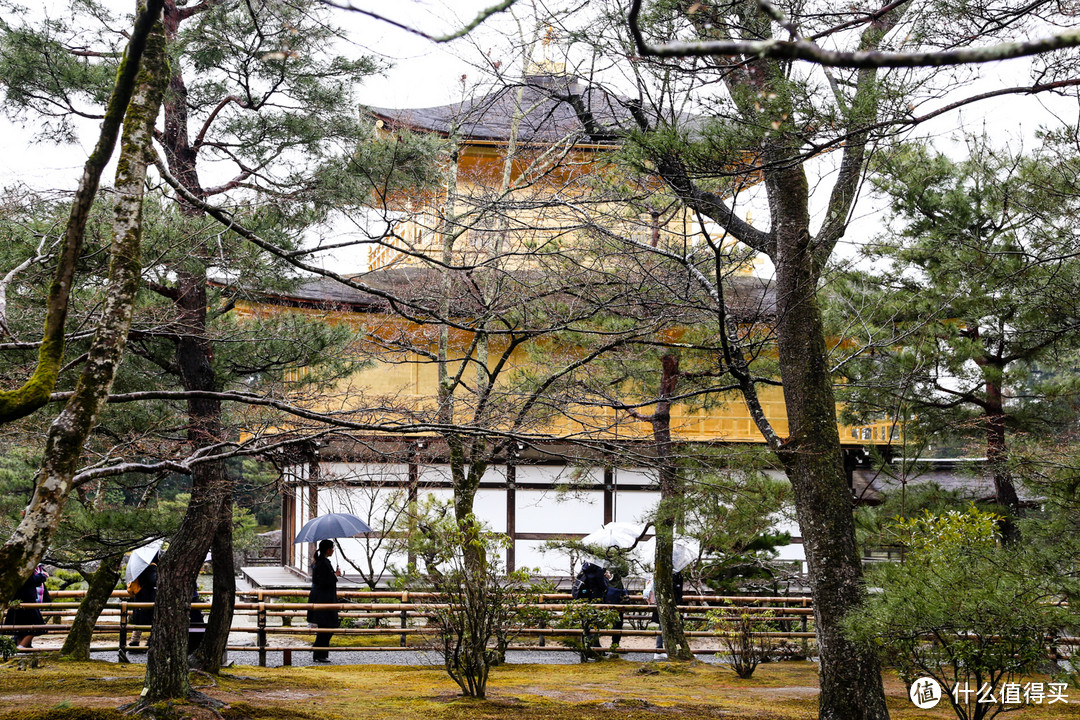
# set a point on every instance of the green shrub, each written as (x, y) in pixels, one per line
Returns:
(481, 609)
(741, 628)
(588, 617)
(961, 609)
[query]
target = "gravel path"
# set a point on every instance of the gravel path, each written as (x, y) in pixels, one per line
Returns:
(302, 657)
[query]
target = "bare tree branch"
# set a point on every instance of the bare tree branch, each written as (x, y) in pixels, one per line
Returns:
(482, 16)
(39, 256)
(811, 52)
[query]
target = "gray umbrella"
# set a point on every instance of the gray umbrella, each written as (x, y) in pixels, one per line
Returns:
(334, 525)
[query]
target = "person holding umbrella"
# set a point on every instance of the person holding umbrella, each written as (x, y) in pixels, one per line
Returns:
(323, 590)
(323, 576)
(144, 590)
(32, 591)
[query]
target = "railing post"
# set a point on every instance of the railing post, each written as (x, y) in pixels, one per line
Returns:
(404, 618)
(121, 656)
(805, 628)
(261, 635)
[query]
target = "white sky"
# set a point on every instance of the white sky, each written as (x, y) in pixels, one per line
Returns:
(423, 74)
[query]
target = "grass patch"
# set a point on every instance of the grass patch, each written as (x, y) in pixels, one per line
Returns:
(64, 713)
(65, 690)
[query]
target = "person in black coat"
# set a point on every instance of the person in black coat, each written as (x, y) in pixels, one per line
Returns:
(323, 590)
(32, 591)
(616, 594)
(147, 594)
(196, 623)
(594, 582)
(594, 588)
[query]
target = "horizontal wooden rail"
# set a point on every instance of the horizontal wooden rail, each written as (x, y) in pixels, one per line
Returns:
(269, 614)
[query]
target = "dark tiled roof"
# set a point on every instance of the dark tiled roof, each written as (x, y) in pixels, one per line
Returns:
(549, 114)
(748, 298)
(972, 479)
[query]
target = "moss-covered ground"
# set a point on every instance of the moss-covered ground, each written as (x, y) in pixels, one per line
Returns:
(614, 689)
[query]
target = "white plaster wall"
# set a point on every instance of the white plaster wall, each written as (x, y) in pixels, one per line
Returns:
(557, 510)
(541, 511)
(635, 476)
(635, 507)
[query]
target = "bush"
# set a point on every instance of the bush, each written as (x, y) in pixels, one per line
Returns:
(741, 628)
(61, 579)
(962, 609)
(481, 609)
(586, 616)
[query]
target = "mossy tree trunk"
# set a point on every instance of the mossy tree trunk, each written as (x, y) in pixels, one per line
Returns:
(167, 662)
(100, 587)
(812, 459)
(671, 625)
(134, 101)
(210, 653)
(167, 659)
(811, 455)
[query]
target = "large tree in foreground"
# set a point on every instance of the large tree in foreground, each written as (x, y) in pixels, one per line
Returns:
(760, 125)
(258, 90)
(765, 120)
(255, 91)
(135, 101)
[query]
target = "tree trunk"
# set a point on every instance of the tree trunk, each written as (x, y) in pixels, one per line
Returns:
(167, 658)
(101, 584)
(997, 457)
(64, 443)
(166, 662)
(850, 676)
(70, 430)
(671, 626)
(210, 653)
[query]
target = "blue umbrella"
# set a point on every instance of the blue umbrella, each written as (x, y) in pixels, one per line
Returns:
(334, 525)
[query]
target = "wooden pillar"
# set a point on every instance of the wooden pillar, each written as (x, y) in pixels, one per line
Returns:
(413, 496)
(511, 516)
(288, 524)
(313, 476)
(609, 494)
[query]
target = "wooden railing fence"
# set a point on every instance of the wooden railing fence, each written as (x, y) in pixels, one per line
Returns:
(271, 614)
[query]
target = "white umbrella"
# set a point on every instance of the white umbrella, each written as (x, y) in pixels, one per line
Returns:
(140, 559)
(614, 534)
(684, 551)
